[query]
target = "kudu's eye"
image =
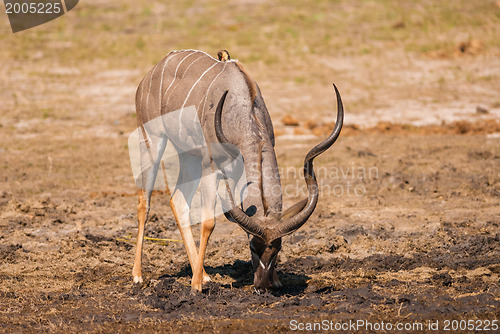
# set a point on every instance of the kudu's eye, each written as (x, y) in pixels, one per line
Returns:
(251, 210)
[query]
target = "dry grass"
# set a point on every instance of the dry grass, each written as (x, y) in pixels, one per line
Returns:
(389, 59)
(269, 32)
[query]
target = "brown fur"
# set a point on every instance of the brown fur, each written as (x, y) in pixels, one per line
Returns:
(141, 216)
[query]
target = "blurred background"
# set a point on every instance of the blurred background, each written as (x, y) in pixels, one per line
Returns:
(420, 81)
(400, 61)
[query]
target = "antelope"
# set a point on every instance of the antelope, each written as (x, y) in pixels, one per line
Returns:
(230, 110)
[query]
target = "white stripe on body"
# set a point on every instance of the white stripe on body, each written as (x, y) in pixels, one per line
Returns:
(172, 86)
(187, 68)
(191, 90)
(208, 90)
(149, 89)
(161, 82)
(175, 75)
(142, 95)
(194, 51)
(196, 82)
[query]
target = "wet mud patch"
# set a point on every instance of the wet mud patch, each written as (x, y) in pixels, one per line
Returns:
(421, 244)
(380, 286)
(9, 252)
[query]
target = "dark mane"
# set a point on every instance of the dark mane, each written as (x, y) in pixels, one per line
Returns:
(251, 84)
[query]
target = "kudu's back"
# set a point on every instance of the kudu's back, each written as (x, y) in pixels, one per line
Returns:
(192, 78)
(177, 99)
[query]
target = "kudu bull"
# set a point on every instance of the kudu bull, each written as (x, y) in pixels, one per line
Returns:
(231, 111)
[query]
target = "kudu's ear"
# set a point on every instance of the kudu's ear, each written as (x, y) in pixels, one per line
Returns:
(294, 209)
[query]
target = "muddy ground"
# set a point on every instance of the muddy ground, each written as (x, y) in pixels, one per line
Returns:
(417, 241)
(407, 225)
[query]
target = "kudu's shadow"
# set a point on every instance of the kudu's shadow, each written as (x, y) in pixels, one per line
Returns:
(241, 271)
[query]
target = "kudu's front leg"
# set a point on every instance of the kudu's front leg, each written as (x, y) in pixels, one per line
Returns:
(181, 214)
(208, 199)
(190, 170)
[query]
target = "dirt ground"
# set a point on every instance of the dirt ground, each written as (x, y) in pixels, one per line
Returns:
(417, 239)
(406, 229)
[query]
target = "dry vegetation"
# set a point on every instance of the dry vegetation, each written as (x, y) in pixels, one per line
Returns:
(420, 81)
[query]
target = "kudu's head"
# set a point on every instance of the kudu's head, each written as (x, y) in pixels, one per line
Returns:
(266, 231)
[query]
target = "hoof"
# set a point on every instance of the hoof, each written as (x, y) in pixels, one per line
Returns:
(137, 279)
(195, 290)
(259, 290)
(276, 281)
(206, 278)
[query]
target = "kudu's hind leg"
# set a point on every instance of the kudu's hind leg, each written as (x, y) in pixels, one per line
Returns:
(148, 182)
(142, 216)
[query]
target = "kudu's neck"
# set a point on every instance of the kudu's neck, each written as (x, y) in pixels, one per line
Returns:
(264, 185)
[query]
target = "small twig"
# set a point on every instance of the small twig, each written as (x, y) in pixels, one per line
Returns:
(399, 311)
(125, 240)
(159, 241)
